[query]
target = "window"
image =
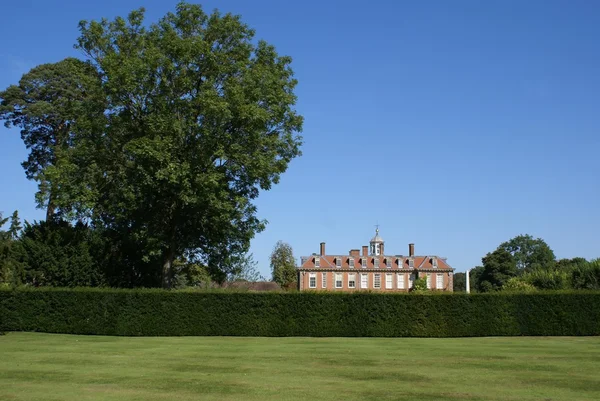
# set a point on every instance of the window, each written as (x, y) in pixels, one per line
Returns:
(411, 263)
(388, 263)
(363, 262)
(317, 261)
(439, 281)
(377, 281)
(411, 281)
(323, 280)
(364, 280)
(338, 280)
(428, 280)
(312, 280)
(351, 280)
(434, 262)
(400, 279)
(351, 263)
(376, 262)
(338, 262)
(388, 281)
(399, 263)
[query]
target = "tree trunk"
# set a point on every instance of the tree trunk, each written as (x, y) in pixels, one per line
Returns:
(167, 270)
(51, 209)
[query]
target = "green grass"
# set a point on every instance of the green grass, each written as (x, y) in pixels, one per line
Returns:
(47, 367)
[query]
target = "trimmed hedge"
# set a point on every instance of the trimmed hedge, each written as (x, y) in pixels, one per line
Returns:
(181, 313)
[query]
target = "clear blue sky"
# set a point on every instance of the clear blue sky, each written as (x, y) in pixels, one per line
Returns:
(454, 124)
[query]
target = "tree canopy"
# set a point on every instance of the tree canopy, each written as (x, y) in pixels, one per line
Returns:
(529, 253)
(46, 105)
(163, 136)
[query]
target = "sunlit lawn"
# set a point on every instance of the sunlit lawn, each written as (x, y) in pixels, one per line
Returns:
(63, 367)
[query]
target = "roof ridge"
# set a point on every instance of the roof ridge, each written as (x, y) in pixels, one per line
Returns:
(426, 257)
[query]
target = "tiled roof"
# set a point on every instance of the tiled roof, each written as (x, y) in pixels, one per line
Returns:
(420, 262)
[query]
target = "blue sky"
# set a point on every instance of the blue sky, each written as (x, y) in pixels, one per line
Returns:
(455, 125)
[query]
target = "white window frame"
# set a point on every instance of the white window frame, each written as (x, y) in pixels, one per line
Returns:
(411, 263)
(324, 280)
(428, 281)
(351, 280)
(351, 263)
(439, 281)
(338, 262)
(399, 261)
(340, 281)
(312, 280)
(364, 280)
(363, 263)
(400, 281)
(434, 262)
(411, 280)
(388, 263)
(317, 261)
(377, 277)
(389, 281)
(376, 263)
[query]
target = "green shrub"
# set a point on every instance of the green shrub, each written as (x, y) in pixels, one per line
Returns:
(548, 279)
(517, 284)
(218, 313)
(586, 276)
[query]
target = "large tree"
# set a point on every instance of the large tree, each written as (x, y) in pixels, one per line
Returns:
(529, 253)
(46, 105)
(283, 265)
(199, 118)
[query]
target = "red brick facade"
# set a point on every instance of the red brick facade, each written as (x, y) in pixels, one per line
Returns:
(372, 271)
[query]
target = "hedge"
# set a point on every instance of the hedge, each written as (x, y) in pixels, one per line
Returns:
(182, 313)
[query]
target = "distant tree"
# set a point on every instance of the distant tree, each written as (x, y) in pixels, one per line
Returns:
(498, 267)
(475, 278)
(569, 264)
(586, 276)
(283, 265)
(529, 253)
(247, 270)
(15, 226)
(4, 252)
(460, 282)
(9, 267)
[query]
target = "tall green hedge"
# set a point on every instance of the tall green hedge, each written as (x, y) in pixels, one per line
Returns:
(179, 313)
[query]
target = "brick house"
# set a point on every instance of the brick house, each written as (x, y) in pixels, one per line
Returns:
(372, 269)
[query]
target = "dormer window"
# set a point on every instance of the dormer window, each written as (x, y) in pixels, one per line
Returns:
(388, 263)
(338, 262)
(376, 262)
(411, 263)
(363, 262)
(317, 261)
(399, 263)
(434, 262)
(351, 262)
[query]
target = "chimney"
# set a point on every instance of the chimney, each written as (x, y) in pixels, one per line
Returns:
(322, 249)
(354, 252)
(365, 250)
(381, 249)
(411, 249)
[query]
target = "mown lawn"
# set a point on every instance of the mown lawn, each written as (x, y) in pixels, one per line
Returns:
(46, 367)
